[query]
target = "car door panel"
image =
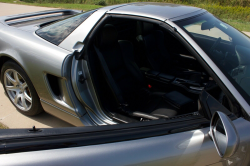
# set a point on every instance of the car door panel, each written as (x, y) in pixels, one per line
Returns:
(186, 148)
(189, 148)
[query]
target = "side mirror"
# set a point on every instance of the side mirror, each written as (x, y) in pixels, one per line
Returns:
(207, 25)
(224, 135)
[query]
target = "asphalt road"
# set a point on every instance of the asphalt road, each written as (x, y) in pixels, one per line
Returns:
(9, 116)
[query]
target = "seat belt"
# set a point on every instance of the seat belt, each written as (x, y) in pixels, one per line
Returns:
(111, 81)
(123, 106)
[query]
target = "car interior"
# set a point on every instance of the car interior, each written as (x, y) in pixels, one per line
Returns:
(141, 72)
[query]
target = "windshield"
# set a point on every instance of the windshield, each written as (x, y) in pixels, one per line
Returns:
(226, 46)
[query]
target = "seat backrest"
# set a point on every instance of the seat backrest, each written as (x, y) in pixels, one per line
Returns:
(129, 61)
(153, 40)
(113, 56)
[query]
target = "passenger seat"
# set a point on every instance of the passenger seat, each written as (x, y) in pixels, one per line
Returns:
(129, 81)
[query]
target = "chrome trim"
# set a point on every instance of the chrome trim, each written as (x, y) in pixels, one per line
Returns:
(213, 66)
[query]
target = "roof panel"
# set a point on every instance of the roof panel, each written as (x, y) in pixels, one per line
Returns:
(161, 11)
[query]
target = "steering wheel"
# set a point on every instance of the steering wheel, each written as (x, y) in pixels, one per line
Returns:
(216, 43)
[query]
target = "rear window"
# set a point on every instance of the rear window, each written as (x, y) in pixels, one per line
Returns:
(58, 31)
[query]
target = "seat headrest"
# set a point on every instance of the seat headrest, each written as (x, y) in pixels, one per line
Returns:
(108, 35)
(144, 28)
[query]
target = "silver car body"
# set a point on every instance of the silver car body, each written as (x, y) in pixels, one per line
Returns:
(39, 57)
(80, 107)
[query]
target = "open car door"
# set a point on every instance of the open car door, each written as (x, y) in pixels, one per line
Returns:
(160, 142)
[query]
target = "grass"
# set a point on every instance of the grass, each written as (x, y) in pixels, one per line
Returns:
(227, 12)
(56, 5)
(3, 126)
(68, 6)
(239, 24)
(237, 16)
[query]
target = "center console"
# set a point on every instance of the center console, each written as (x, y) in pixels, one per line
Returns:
(163, 78)
(180, 101)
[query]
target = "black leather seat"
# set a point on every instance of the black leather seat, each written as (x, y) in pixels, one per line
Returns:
(119, 58)
(156, 53)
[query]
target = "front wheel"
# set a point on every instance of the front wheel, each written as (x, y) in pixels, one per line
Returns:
(19, 89)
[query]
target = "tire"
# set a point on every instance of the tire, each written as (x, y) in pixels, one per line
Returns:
(20, 89)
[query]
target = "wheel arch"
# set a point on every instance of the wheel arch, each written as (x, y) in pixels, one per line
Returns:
(4, 58)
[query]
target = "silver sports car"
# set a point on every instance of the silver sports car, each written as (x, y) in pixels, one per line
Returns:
(175, 78)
